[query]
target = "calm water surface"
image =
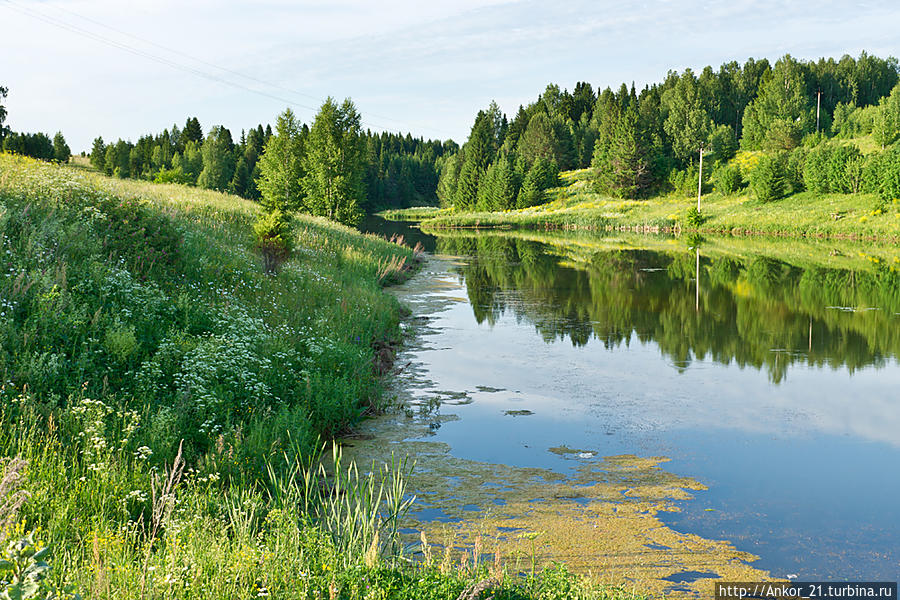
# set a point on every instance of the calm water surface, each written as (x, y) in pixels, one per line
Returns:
(775, 385)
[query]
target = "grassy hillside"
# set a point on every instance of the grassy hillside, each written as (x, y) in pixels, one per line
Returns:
(168, 400)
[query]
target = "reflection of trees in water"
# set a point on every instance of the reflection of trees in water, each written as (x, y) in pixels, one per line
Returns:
(758, 312)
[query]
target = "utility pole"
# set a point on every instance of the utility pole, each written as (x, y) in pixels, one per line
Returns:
(700, 180)
(818, 106)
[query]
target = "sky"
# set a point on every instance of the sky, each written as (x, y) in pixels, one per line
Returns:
(124, 69)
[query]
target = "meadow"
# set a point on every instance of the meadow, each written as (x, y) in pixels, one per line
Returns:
(165, 403)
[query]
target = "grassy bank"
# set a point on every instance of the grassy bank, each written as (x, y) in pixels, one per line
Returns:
(168, 400)
(575, 205)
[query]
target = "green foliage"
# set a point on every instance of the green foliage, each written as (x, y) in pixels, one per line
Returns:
(280, 166)
(273, 238)
(727, 179)
(218, 160)
(781, 113)
(684, 181)
(542, 175)
(449, 178)
(477, 154)
(174, 175)
(61, 151)
(722, 143)
(539, 141)
(687, 122)
(24, 569)
(886, 125)
(332, 164)
(98, 154)
(620, 157)
(694, 218)
(35, 145)
(767, 180)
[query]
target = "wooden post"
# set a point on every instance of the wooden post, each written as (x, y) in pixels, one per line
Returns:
(700, 180)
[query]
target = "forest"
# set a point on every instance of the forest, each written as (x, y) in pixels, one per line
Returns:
(778, 128)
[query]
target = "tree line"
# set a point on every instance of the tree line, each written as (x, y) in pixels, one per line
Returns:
(36, 145)
(397, 170)
(647, 142)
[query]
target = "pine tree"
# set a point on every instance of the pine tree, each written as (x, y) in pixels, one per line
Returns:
(333, 164)
(280, 169)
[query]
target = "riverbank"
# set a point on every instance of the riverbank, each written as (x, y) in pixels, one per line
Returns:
(574, 205)
(166, 400)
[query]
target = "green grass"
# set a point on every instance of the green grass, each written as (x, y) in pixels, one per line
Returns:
(574, 205)
(137, 328)
(415, 213)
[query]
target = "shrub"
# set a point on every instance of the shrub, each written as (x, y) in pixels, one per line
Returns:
(272, 234)
(838, 160)
(816, 170)
(684, 182)
(767, 179)
(727, 179)
(890, 174)
(694, 218)
(793, 170)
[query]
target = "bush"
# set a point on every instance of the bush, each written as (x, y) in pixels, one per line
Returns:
(694, 218)
(838, 179)
(816, 170)
(767, 179)
(793, 171)
(727, 179)
(684, 182)
(890, 174)
(272, 234)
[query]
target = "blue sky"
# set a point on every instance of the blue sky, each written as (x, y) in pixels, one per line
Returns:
(424, 67)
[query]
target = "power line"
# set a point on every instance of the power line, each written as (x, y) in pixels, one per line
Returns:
(176, 65)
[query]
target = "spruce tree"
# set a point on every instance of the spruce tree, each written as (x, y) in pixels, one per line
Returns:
(61, 151)
(478, 155)
(192, 131)
(98, 154)
(621, 159)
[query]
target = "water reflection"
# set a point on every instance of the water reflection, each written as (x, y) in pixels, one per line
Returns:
(753, 312)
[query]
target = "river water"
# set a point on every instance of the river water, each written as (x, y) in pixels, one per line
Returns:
(768, 373)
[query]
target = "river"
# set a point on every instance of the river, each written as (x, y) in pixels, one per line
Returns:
(764, 374)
